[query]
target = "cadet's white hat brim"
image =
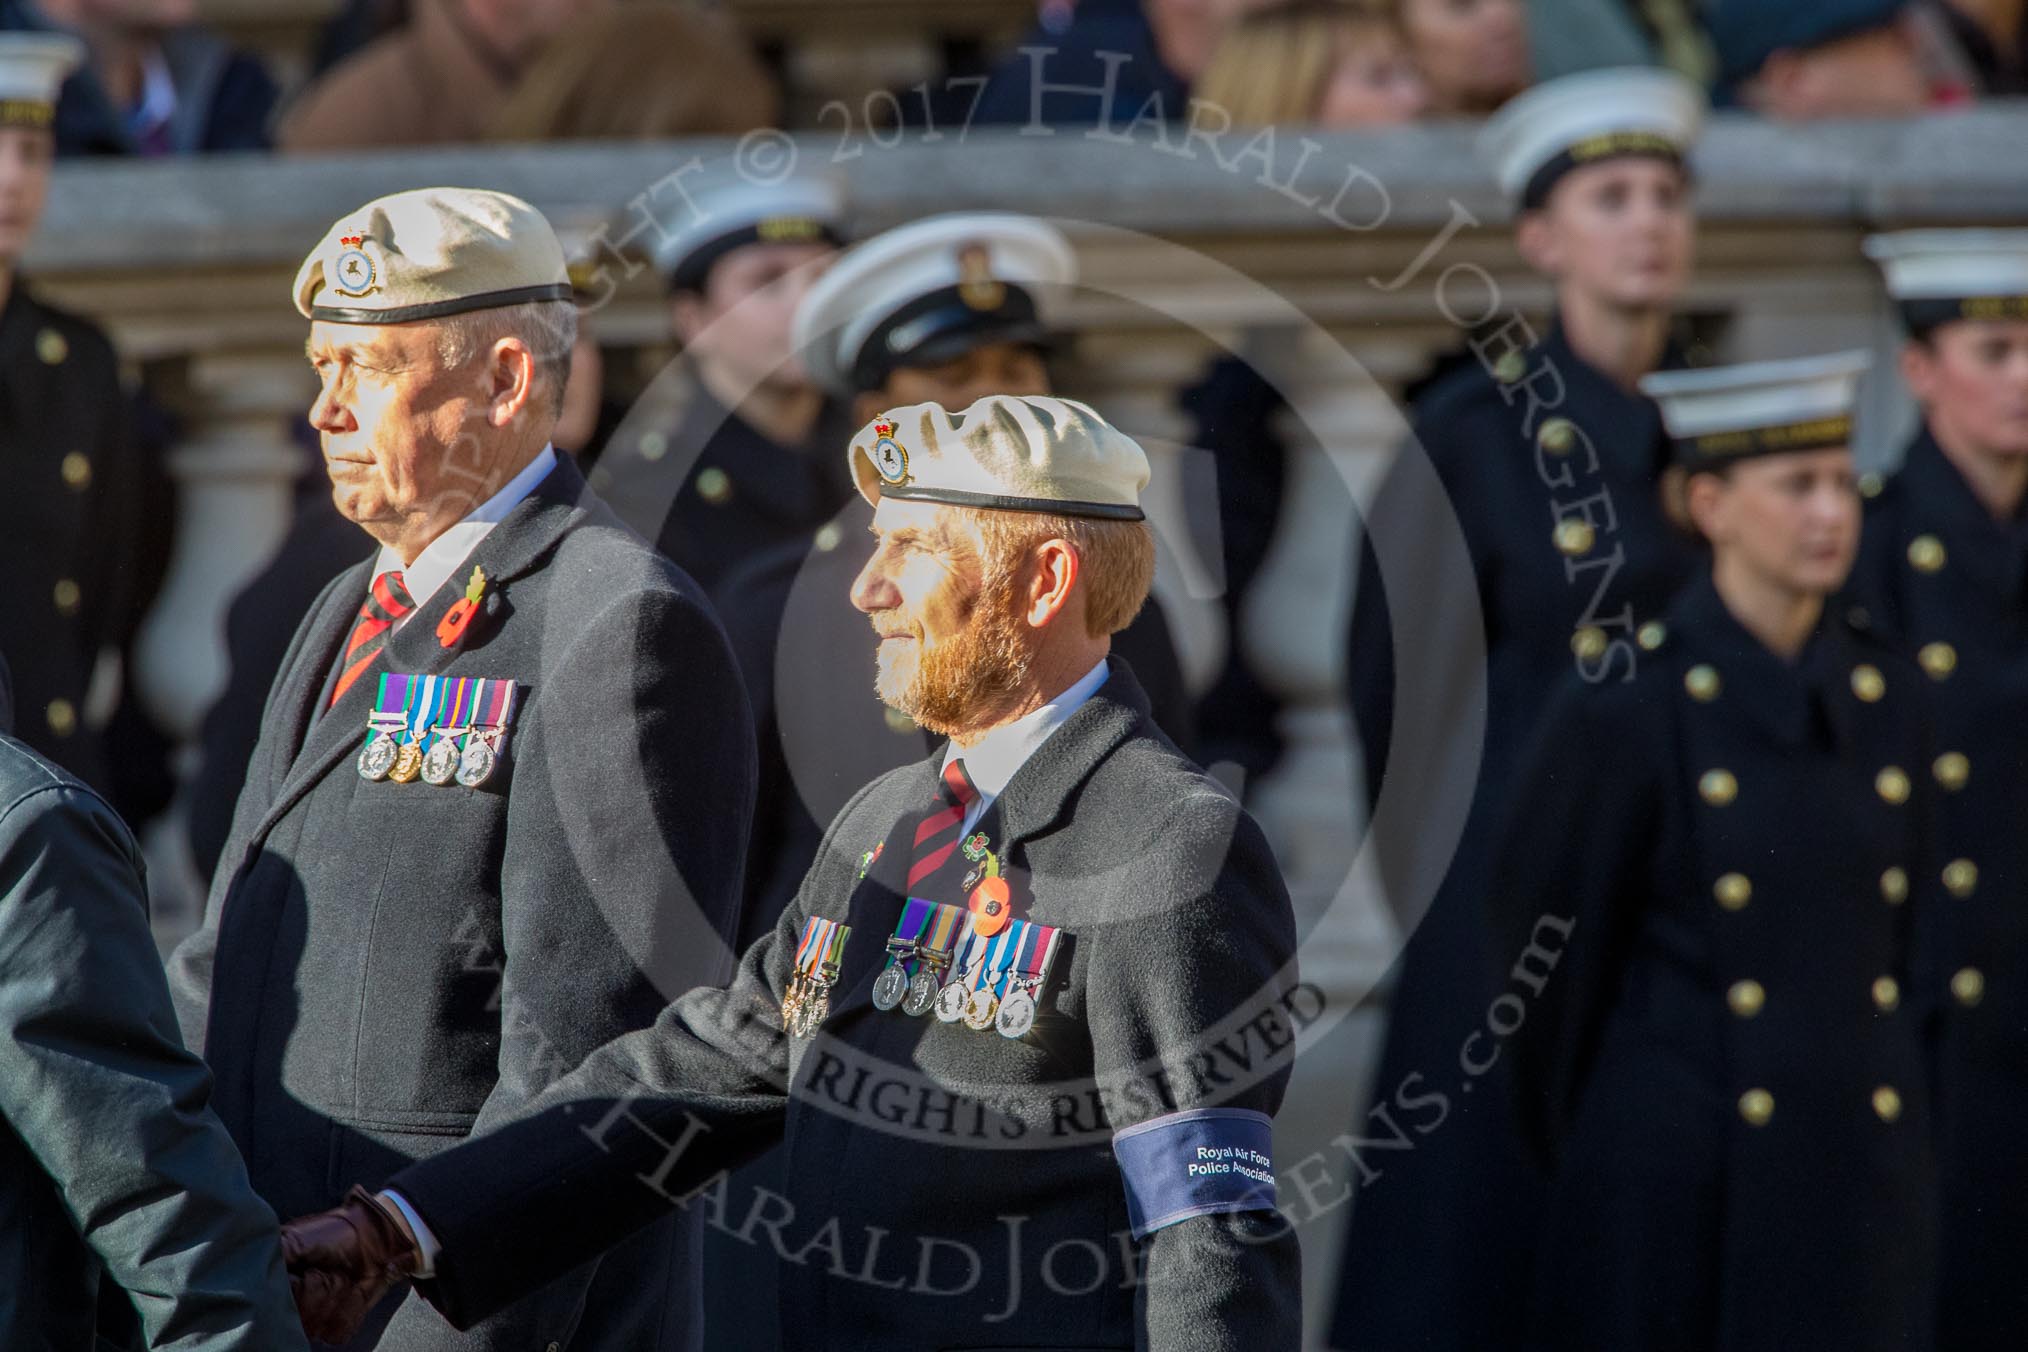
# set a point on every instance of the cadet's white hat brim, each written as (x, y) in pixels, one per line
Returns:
(1952, 264)
(874, 280)
(1757, 395)
(33, 67)
(1590, 109)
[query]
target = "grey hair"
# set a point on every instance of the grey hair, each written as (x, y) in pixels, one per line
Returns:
(549, 327)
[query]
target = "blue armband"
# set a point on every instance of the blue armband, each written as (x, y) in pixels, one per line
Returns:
(1195, 1163)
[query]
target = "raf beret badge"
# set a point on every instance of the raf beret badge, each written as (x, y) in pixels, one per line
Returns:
(354, 273)
(888, 457)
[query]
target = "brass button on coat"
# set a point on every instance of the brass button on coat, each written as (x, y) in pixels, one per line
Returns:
(61, 717)
(1745, 998)
(1952, 769)
(1652, 635)
(714, 485)
(1557, 436)
(1702, 682)
(1961, 877)
(1589, 643)
(1886, 994)
(1968, 986)
(1938, 660)
(1867, 682)
(1733, 891)
(1926, 553)
(52, 347)
(1894, 885)
(1575, 537)
(1718, 787)
(77, 470)
(1887, 1102)
(1892, 784)
(1756, 1106)
(66, 596)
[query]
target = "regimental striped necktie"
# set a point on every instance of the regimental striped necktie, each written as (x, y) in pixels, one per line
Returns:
(387, 601)
(936, 840)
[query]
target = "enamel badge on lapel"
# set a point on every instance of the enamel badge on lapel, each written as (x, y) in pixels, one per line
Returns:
(451, 629)
(869, 859)
(987, 893)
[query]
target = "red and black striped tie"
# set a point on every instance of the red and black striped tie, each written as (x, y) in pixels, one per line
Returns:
(937, 838)
(386, 602)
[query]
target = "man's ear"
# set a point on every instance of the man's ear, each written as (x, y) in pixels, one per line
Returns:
(511, 381)
(1053, 582)
(1918, 370)
(1535, 240)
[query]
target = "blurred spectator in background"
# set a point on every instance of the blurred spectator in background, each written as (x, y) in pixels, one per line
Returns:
(444, 78)
(1567, 36)
(1326, 63)
(355, 24)
(153, 82)
(1993, 35)
(641, 71)
(1111, 62)
(67, 521)
(1473, 54)
(1797, 59)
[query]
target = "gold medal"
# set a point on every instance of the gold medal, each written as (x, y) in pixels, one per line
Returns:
(407, 764)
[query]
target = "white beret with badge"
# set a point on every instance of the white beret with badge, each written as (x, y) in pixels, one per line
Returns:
(1937, 276)
(718, 218)
(33, 67)
(1585, 118)
(928, 291)
(430, 253)
(1723, 414)
(1020, 453)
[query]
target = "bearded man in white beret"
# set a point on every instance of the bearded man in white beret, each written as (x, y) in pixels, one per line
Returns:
(1026, 1023)
(498, 810)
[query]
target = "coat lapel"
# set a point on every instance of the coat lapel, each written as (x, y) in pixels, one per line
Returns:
(1042, 788)
(512, 549)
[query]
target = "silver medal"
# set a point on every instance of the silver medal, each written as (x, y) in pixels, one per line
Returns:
(951, 1003)
(441, 761)
(475, 765)
(377, 759)
(1017, 1015)
(922, 993)
(889, 989)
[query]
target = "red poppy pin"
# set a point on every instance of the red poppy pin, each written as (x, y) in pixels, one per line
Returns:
(451, 629)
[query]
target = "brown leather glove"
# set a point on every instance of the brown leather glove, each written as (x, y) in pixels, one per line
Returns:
(341, 1262)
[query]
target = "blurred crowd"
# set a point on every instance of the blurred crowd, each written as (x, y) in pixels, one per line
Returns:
(414, 72)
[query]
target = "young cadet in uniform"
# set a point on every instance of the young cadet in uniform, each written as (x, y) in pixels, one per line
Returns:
(121, 1196)
(67, 523)
(499, 806)
(1551, 459)
(946, 311)
(1713, 873)
(732, 449)
(1943, 569)
(989, 1027)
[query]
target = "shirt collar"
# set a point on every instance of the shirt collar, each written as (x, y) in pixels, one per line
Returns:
(434, 566)
(992, 762)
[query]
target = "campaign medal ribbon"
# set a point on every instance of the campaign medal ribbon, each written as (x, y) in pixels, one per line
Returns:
(934, 955)
(492, 710)
(892, 983)
(816, 971)
(982, 1002)
(440, 762)
(389, 717)
(421, 711)
(967, 961)
(1030, 974)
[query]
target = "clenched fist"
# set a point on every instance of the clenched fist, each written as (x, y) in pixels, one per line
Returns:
(341, 1262)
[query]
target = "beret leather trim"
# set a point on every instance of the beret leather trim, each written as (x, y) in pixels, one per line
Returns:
(405, 314)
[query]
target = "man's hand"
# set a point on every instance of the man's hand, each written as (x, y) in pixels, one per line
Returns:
(341, 1262)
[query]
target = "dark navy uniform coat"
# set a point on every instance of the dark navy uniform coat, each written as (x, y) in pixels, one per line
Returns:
(385, 969)
(68, 523)
(950, 1188)
(1949, 583)
(1703, 902)
(1430, 1262)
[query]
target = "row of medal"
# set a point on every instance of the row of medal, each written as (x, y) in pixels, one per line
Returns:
(439, 729)
(938, 960)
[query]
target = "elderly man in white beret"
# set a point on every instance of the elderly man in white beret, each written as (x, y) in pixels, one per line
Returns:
(1023, 1028)
(498, 809)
